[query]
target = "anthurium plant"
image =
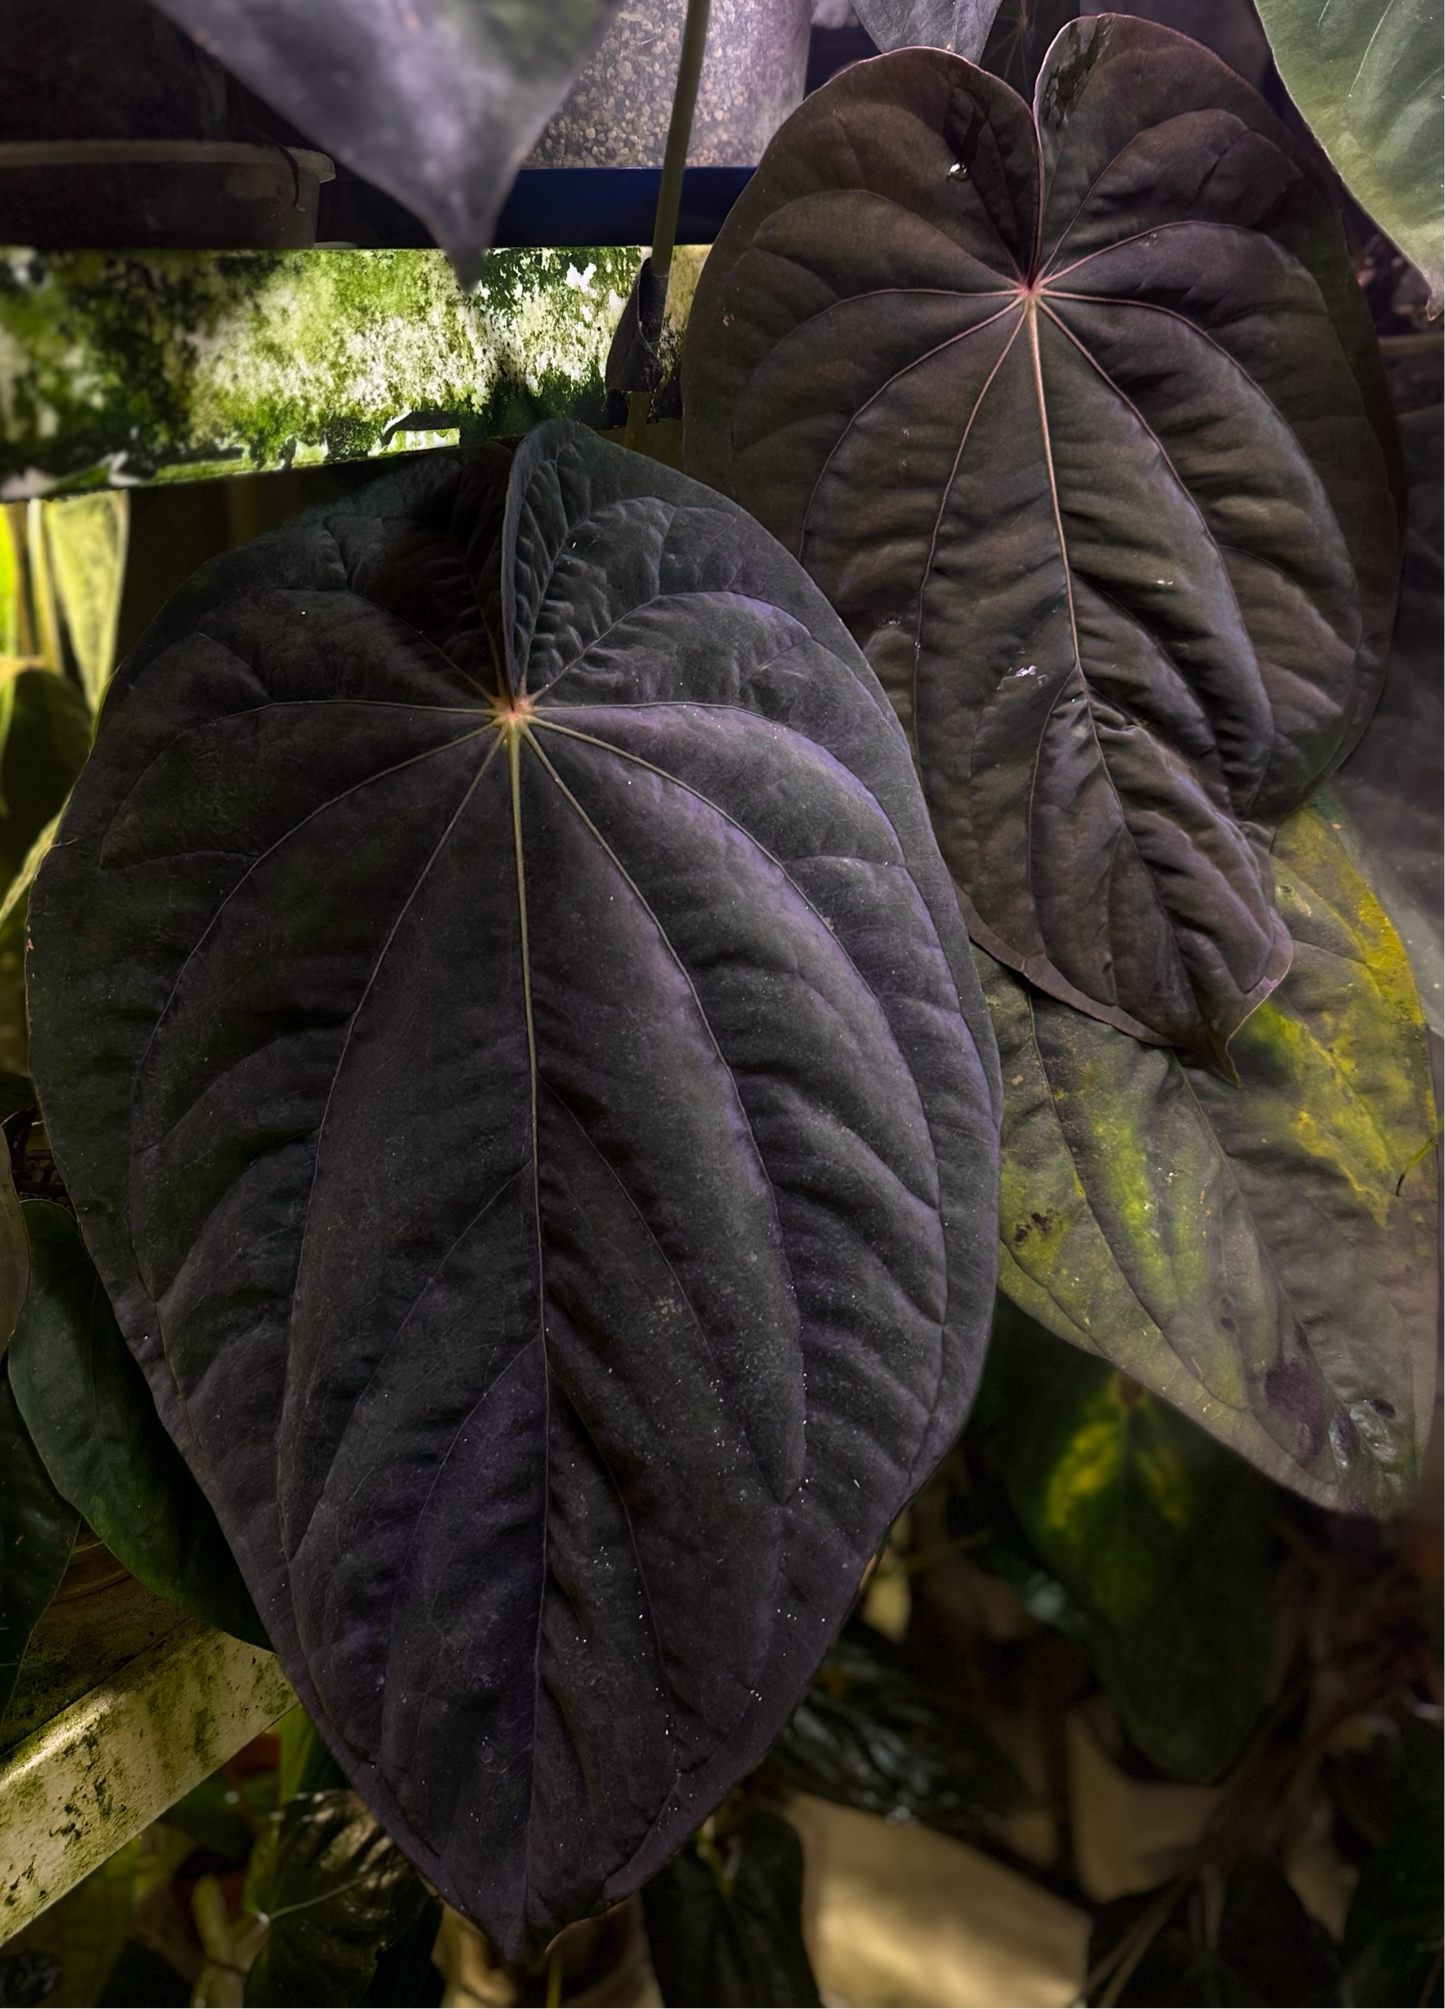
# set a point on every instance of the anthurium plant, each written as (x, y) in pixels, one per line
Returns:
(568, 998)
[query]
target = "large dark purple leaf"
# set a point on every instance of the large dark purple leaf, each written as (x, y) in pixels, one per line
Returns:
(506, 1029)
(437, 101)
(1077, 420)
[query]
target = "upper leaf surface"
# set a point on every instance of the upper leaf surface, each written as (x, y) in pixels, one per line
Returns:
(1393, 784)
(1366, 74)
(438, 102)
(496, 1001)
(1065, 414)
(1263, 1256)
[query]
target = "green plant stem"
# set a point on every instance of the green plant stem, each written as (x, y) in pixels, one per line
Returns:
(669, 192)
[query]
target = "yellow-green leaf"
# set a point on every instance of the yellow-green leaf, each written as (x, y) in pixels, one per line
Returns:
(87, 538)
(1262, 1256)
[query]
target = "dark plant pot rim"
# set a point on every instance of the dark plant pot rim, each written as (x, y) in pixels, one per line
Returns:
(156, 153)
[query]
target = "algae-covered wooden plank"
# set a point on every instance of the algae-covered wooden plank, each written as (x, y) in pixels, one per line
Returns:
(83, 1784)
(130, 367)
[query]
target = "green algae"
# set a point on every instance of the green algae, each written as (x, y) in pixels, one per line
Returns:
(119, 367)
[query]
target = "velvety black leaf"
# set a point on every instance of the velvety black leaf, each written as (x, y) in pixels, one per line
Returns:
(511, 1043)
(1266, 1256)
(92, 1419)
(867, 1735)
(37, 1533)
(1393, 784)
(725, 1921)
(1264, 1948)
(1078, 422)
(335, 1891)
(438, 102)
(1393, 1935)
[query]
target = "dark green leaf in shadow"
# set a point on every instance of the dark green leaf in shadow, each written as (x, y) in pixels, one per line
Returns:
(868, 1735)
(1366, 74)
(438, 103)
(403, 1968)
(44, 751)
(1019, 40)
(1393, 784)
(94, 1422)
(1262, 1948)
(336, 1891)
(1189, 1680)
(1264, 1256)
(37, 1533)
(14, 1243)
(307, 1765)
(725, 1920)
(1080, 424)
(510, 1041)
(1393, 1934)
(217, 1817)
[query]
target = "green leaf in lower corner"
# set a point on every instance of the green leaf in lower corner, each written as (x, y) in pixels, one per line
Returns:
(1393, 1934)
(1366, 75)
(1260, 1946)
(1263, 1256)
(869, 1736)
(336, 1892)
(37, 1533)
(725, 1920)
(83, 1934)
(94, 1423)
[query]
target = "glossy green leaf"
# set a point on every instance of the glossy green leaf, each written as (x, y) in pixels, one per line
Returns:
(403, 1968)
(1366, 74)
(1113, 1488)
(1262, 1256)
(1259, 1947)
(37, 1533)
(1189, 1679)
(335, 1892)
(438, 102)
(1393, 1935)
(44, 751)
(1076, 416)
(725, 1920)
(869, 1736)
(93, 1420)
(1393, 784)
(85, 1931)
(510, 1041)
(961, 26)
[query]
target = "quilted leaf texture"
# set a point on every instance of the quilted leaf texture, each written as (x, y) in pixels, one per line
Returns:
(510, 1039)
(1076, 417)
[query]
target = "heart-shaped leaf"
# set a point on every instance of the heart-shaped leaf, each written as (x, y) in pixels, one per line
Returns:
(961, 26)
(334, 1891)
(1065, 414)
(1264, 1256)
(510, 1040)
(725, 1922)
(1366, 74)
(90, 1413)
(37, 1533)
(1393, 784)
(438, 102)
